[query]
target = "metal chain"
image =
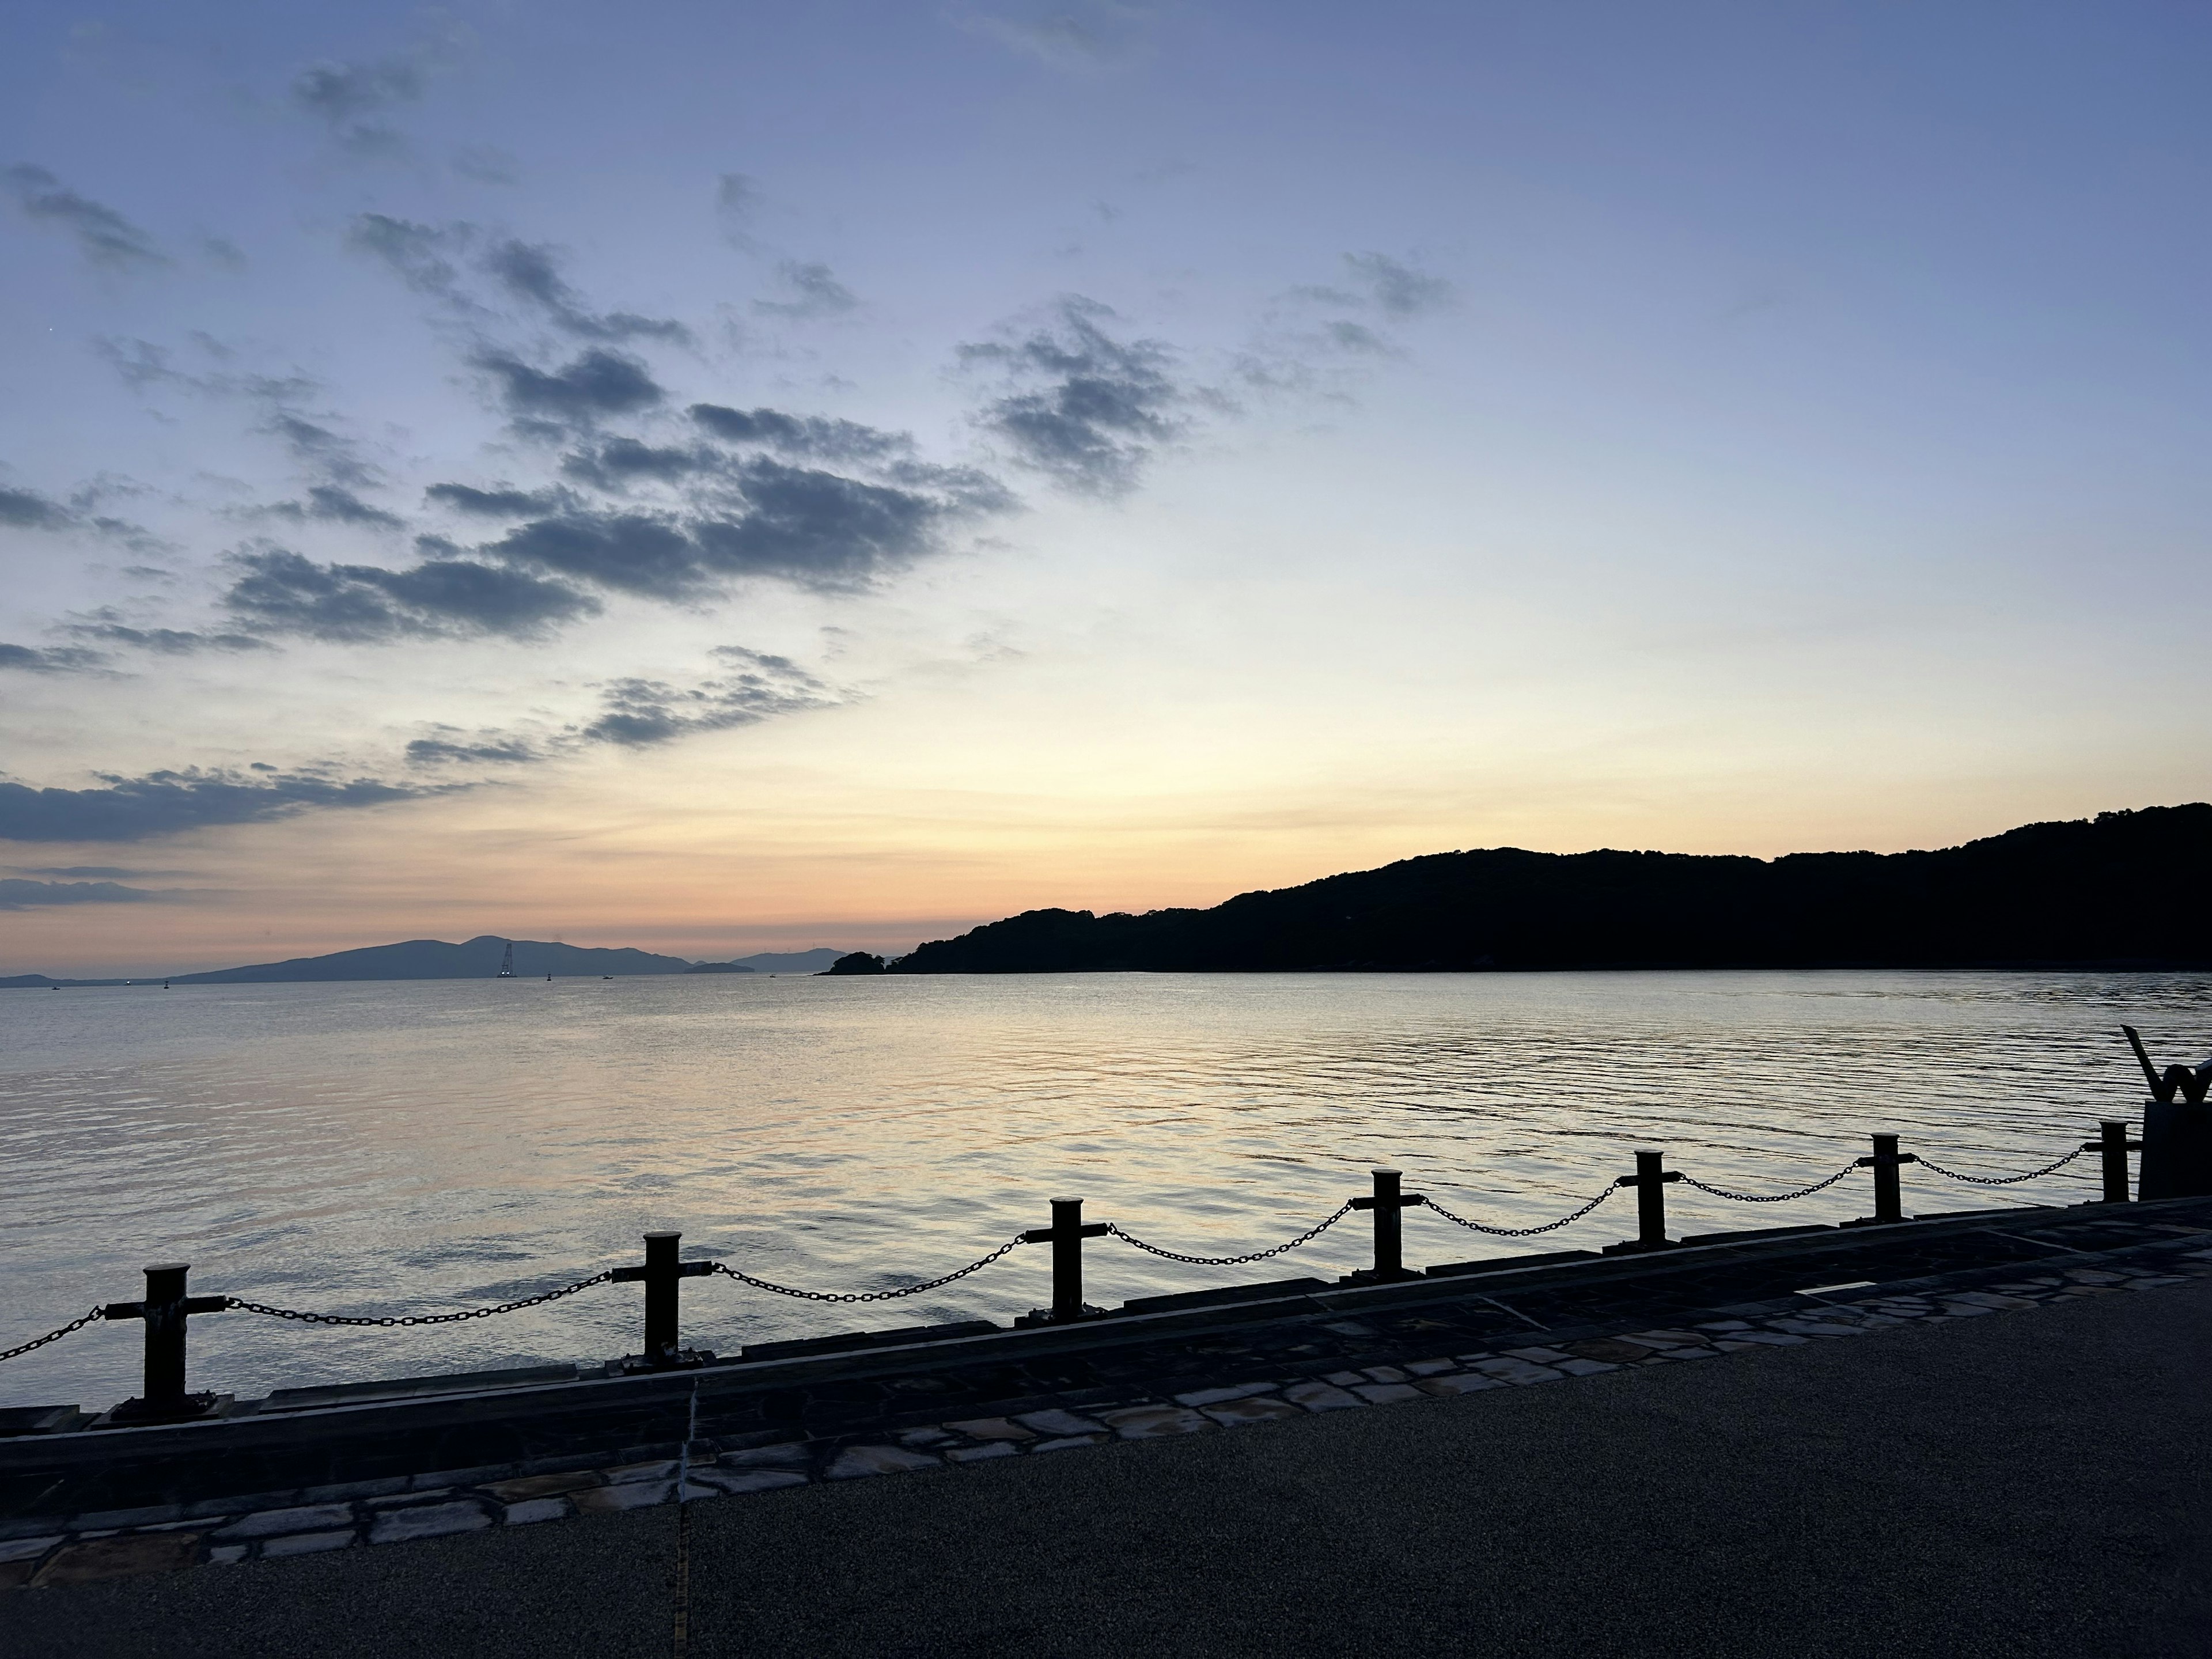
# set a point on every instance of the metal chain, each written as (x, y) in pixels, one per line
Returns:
(2003, 1180)
(1768, 1197)
(1113, 1229)
(244, 1306)
(1520, 1232)
(868, 1295)
(55, 1336)
(1306, 1238)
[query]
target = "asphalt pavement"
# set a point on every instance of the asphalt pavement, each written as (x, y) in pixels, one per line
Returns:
(2023, 1485)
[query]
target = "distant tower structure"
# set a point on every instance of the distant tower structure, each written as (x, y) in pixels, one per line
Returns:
(506, 962)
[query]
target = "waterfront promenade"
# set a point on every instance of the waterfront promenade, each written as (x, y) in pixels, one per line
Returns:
(2033, 1482)
(2025, 1486)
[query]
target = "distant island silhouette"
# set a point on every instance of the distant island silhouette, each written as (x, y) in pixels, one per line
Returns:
(476, 958)
(2117, 891)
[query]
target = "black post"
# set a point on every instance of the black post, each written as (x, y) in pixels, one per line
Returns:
(1888, 1193)
(1066, 1258)
(1387, 1202)
(1651, 1201)
(660, 1294)
(166, 1308)
(165, 1334)
(659, 1273)
(1651, 1183)
(1065, 1236)
(1389, 1234)
(2115, 1146)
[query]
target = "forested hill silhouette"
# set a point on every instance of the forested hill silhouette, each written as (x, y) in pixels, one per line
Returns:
(2124, 889)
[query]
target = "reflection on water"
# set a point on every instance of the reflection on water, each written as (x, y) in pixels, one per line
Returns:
(412, 1146)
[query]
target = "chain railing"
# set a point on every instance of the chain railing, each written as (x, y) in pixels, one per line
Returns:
(403, 1321)
(167, 1306)
(893, 1295)
(1522, 1232)
(1771, 1198)
(1115, 1231)
(91, 1318)
(1926, 1163)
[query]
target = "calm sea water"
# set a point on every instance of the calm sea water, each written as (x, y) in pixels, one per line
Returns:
(410, 1147)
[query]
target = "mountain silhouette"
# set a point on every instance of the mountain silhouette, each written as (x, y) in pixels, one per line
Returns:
(476, 958)
(431, 958)
(2120, 890)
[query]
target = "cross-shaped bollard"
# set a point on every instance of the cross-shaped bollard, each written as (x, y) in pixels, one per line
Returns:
(1065, 1236)
(2115, 1146)
(1888, 1194)
(661, 1272)
(165, 1310)
(1387, 1203)
(1651, 1183)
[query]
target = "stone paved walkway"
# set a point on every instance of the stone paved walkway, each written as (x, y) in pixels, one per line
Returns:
(2027, 1480)
(1398, 1351)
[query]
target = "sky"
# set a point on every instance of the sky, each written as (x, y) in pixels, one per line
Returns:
(725, 478)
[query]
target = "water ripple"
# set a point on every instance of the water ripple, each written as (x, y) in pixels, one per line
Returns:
(415, 1146)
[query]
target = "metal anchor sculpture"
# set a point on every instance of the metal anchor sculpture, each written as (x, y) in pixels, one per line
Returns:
(2177, 1139)
(2191, 1085)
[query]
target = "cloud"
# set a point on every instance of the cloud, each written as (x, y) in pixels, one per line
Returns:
(322, 451)
(615, 465)
(104, 871)
(25, 509)
(428, 259)
(103, 236)
(487, 164)
(165, 641)
(738, 193)
(349, 97)
(495, 751)
(737, 200)
(1348, 336)
(1103, 406)
(760, 518)
(24, 894)
(529, 271)
(819, 529)
(280, 591)
(598, 383)
(332, 505)
(640, 713)
(141, 363)
(137, 363)
(1399, 289)
(631, 552)
(418, 254)
(60, 659)
(637, 713)
(1294, 353)
(819, 293)
(1073, 35)
(818, 436)
(167, 803)
(22, 509)
(340, 92)
(500, 503)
